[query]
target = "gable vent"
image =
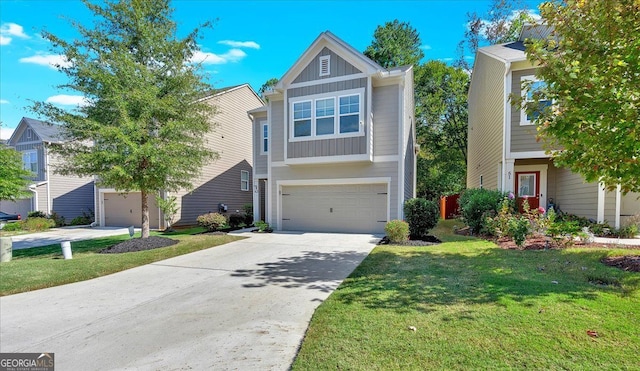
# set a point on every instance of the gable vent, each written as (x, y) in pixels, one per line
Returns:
(325, 69)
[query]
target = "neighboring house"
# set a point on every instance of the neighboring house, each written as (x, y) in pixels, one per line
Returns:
(334, 149)
(225, 181)
(503, 152)
(66, 195)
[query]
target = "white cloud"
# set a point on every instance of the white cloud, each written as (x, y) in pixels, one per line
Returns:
(240, 44)
(5, 133)
(68, 100)
(4, 101)
(233, 55)
(4, 40)
(13, 29)
(425, 47)
(51, 60)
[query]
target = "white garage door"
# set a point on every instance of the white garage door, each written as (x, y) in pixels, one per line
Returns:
(353, 208)
(125, 210)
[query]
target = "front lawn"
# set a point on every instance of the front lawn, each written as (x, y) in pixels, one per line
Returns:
(474, 305)
(41, 267)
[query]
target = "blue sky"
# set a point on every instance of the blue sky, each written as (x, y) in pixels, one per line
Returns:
(251, 41)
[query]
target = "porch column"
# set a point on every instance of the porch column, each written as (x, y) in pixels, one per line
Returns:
(618, 205)
(508, 181)
(601, 197)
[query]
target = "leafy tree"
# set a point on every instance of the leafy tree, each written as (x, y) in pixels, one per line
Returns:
(591, 66)
(13, 178)
(395, 44)
(144, 123)
(267, 86)
(502, 23)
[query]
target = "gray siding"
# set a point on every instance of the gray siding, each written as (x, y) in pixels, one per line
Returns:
(277, 126)
(486, 120)
(386, 116)
(220, 179)
(260, 159)
(338, 67)
(409, 137)
(334, 146)
(71, 196)
(574, 196)
(523, 138)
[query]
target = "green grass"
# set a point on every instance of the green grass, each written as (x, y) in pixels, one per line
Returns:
(476, 306)
(40, 267)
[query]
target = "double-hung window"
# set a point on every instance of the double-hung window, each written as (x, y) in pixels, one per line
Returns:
(329, 115)
(244, 180)
(265, 138)
(30, 161)
(302, 119)
(534, 86)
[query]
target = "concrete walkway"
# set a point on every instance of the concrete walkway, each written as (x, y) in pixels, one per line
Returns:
(58, 235)
(241, 306)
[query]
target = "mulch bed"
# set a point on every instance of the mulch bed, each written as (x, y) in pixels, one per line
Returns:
(626, 263)
(424, 241)
(139, 244)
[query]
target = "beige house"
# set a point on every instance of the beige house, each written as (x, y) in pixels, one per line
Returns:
(334, 148)
(224, 185)
(502, 148)
(66, 195)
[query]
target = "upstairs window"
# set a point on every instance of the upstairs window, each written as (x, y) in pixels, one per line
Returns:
(265, 138)
(325, 65)
(535, 85)
(302, 119)
(30, 161)
(328, 115)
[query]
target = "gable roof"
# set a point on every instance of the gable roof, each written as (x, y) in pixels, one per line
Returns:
(47, 132)
(216, 92)
(338, 46)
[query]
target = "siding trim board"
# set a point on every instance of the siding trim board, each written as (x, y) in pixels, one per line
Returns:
(327, 81)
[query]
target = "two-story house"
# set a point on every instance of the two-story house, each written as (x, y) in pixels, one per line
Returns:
(503, 152)
(68, 196)
(224, 184)
(334, 148)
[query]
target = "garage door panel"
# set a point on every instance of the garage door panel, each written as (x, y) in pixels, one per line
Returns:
(125, 210)
(357, 208)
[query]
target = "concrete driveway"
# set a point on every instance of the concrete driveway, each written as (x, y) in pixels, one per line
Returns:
(242, 306)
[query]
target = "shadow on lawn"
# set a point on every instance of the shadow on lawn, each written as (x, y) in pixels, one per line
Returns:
(315, 270)
(423, 279)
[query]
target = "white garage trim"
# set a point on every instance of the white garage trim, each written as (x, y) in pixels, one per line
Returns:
(101, 193)
(320, 182)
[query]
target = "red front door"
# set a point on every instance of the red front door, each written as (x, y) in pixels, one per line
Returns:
(528, 186)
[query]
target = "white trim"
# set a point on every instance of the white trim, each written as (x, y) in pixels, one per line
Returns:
(24, 143)
(527, 154)
(506, 124)
(327, 80)
(47, 158)
(327, 159)
(401, 151)
(336, 95)
(618, 206)
(277, 164)
(248, 181)
(260, 176)
(387, 158)
(321, 182)
(325, 61)
(601, 199)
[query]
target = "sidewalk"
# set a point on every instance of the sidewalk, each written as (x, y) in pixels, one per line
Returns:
(618, 241)
(59, 235)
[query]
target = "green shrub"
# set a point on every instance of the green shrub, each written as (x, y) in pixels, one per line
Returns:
(248, 214)
(12, 227)
(477, 204)
(85, 219)
(262, 226)
(397, 231)
(37, 224)
(235, 220)
(212, 221)
(519, 229)
(36, 214)
(421, 215)
(57, 219)
(564, 233)
(629, 231)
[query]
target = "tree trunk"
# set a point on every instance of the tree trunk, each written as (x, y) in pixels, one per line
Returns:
(145, 214)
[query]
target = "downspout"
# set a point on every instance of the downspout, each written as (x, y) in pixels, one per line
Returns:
(32, 188)
(46, 159)
(505, 122)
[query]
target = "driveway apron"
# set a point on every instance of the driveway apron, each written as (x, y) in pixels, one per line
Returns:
(244, 305)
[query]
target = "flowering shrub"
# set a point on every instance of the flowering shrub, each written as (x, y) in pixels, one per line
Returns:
(212, 221)
(517, 226)
(397, 231)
